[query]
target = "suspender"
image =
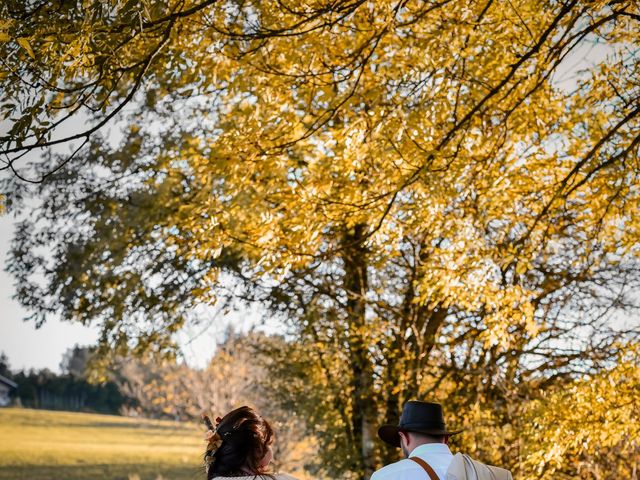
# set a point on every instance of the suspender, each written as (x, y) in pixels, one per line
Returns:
(427, 468)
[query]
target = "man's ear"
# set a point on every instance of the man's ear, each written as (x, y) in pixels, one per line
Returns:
(446, 439)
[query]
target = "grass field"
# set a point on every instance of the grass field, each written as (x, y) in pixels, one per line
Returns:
(45, 445)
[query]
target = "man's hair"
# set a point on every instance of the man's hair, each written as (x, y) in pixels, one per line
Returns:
(426, 437)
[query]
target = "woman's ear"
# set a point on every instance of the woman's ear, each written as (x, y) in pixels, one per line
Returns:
(264, 463)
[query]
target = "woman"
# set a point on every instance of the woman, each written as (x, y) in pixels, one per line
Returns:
(239, 447)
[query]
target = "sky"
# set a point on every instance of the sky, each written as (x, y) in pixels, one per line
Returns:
(25, 346)
(28, 347)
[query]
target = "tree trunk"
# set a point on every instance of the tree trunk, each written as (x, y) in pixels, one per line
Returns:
(363, 398)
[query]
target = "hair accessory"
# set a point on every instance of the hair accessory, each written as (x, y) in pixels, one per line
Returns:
(207, 422)
(213, 439)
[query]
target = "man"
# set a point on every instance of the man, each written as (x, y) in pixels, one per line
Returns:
(423, 437)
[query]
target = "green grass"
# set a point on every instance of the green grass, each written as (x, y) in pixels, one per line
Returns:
(45, 445)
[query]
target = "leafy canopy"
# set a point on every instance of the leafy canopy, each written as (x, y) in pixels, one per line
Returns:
(265, 128)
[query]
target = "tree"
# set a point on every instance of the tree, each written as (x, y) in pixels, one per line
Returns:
(5, 369)
(605, 447)
(404, 181)
(75, 361)
(168, 388)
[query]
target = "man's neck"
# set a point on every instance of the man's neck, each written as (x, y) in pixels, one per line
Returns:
(428, 445)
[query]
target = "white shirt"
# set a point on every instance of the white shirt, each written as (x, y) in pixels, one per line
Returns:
(437, 455)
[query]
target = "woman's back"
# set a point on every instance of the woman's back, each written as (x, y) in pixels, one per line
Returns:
(279, 476)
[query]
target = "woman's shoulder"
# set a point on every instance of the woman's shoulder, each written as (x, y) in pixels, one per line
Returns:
(279, 476)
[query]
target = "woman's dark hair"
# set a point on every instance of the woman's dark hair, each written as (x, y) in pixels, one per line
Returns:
(246, 438)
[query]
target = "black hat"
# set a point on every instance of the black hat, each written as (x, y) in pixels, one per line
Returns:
(420, 417)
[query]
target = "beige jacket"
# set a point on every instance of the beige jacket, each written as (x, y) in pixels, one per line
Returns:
(463, 467)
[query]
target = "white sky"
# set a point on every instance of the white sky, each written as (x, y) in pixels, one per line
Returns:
(25, 346)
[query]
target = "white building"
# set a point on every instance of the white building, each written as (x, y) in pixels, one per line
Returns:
(6, 386)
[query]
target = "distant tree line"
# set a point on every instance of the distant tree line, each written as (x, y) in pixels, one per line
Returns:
(68, 390)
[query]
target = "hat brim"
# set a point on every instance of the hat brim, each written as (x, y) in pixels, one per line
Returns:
(390, 433)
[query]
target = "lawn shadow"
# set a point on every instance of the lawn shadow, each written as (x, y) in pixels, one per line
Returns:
(102, 472)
